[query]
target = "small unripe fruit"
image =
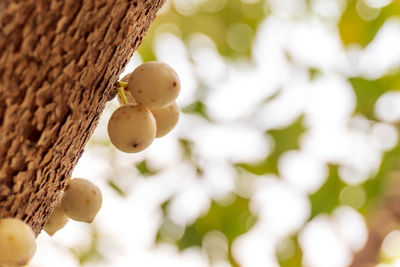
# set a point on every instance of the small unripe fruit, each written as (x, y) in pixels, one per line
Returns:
(17, 242)
(132, 128)
(81, 200)
(57, 220)
(166, 118)
(154, 84)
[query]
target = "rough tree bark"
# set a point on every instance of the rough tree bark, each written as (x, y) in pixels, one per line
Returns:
(58, 63)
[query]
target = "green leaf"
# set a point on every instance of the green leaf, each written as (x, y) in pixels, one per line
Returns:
(116, 188)
(186, 146)
(326, 199)
(164, 206)
(313, 73)
(368, 91)
(197, 108)
(285, 139)
(91, 253)
(144, 169)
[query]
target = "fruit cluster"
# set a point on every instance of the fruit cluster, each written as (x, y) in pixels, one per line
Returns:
(148, 109)
(81, 201)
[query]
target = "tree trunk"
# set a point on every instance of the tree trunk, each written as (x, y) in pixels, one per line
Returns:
(58, 63)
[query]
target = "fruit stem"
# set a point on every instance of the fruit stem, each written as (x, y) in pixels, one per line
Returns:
(122, 84)
(121, 92)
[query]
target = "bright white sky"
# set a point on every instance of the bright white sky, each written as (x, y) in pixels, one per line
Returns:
(127, 226)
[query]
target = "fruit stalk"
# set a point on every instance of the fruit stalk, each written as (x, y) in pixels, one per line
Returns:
(120, 91)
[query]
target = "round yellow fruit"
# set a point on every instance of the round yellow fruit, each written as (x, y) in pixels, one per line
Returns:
(166, 118)
(17, 242)
(81, 200)
(57, 220)
(154, 84)
(132, 128)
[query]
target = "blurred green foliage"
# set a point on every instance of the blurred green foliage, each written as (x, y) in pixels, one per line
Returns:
(90, 253)
(197, 108)
(375, 185)
(144, 169)
(285, 139)
(116, 188)
(368, 91)
(354, 29)
(231, 220)
(232, 25)
(326, 199)
(292, 256)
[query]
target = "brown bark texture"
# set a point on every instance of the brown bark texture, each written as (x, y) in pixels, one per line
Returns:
(384, 219)
(59, 61)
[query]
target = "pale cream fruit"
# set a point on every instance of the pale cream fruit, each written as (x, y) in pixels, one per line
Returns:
(57, 220)
(166, 118)
(81, 200)
(17, 242)
(154, 84)
(132, 128)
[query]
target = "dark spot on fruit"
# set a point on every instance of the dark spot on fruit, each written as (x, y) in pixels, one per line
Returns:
(135, 145)
(174, 84)
(140, 91)
(153, 100)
